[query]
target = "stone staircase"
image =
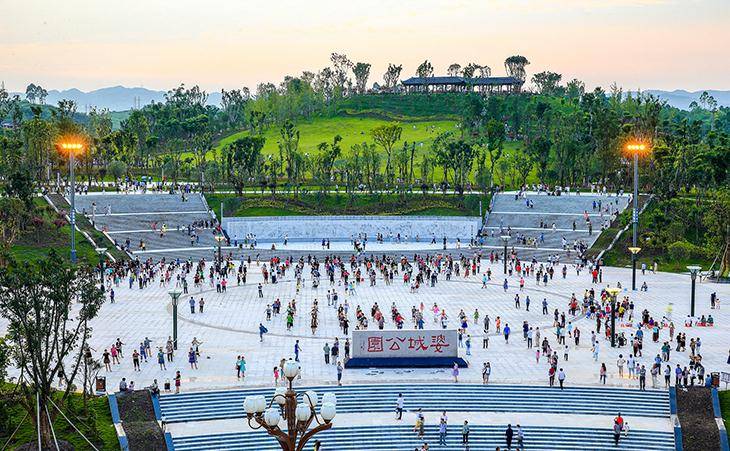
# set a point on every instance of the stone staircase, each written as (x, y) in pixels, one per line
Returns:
(563, 211)
(132, 216)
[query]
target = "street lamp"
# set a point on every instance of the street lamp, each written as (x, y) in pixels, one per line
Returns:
(219, 239)
(298, 417)
(634, 250)
(174, 295)
(101, 251)
(613, 292)
(505, 239)
(72, 148)
(635, 149)
(693, 271)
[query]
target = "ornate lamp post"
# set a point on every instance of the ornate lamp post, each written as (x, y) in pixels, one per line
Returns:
(72, 148)
(174, 295)
(219, 239)
(613, 292)
(693, 271)
(298, 417)
(634, 250)
(101, 251)
(505, 239)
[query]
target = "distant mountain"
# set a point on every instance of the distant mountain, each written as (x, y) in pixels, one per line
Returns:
(681, 99)
(116, 98)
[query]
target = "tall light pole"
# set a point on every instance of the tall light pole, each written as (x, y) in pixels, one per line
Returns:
(635, 149)
(505, 239)
(634, 250)
(298, 417)
(693, 271)
(101, 251)
(174, 295)
(613, 292)
(219, 239)
(72, 148)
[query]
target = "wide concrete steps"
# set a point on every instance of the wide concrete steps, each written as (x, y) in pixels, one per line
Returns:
(402, 437)
(115, 223)
(139, 203)
(436, 397)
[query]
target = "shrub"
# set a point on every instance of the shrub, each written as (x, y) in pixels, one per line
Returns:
(683, 250)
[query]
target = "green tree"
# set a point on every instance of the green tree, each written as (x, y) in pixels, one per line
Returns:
(386, 136)
(48, 305)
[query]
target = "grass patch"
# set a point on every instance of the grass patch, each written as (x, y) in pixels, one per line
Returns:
(354, 130)
(96, 424)
(317, 204)
(725, 408)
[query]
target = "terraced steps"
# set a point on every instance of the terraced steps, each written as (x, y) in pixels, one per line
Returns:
(402, 437)
(198, 406)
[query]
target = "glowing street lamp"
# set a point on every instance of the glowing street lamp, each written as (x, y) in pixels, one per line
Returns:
(634, 251)
(693, 271)
(72, 148)
(613, 292)
(635, 149)
(298, 415)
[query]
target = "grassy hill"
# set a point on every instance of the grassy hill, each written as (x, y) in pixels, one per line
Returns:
(404, 107)
(354, 130)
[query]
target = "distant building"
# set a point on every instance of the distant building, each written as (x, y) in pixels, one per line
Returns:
(484, 85)
(7, 125)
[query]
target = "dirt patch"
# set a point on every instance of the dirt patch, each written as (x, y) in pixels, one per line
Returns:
(699, 429)
(138, 420)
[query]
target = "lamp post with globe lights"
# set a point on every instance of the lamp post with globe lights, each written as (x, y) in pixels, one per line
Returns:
(297, 415)
(505, 239)
(693, 271)
(613, 292)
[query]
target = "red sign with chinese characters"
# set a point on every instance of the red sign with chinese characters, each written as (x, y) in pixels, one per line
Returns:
(404, 343)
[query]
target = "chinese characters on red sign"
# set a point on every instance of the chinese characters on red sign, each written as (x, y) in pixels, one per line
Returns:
(437, 343)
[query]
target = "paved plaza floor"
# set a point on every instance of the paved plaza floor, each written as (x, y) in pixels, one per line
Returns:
(229, 327)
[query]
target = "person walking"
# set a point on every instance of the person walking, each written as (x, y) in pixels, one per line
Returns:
(178, 381)
(508, 435)
(326, 350)
(642, 378)
(520, 437)
(486, 372)
(616, 432)
(339, 373)
(561, 378)
(442, 432)
(399, 403)
(465, 433)
(297, 348)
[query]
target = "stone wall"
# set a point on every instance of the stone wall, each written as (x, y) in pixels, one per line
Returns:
(343, 228)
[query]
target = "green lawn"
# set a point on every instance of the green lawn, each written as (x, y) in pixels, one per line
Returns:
(96, 424)
(356, 130)
(725, 408)
(344, 204)
(353, 130)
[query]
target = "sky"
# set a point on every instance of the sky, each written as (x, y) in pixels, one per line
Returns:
(158, 44)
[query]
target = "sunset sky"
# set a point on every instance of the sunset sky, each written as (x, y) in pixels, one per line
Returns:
(647, 44)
